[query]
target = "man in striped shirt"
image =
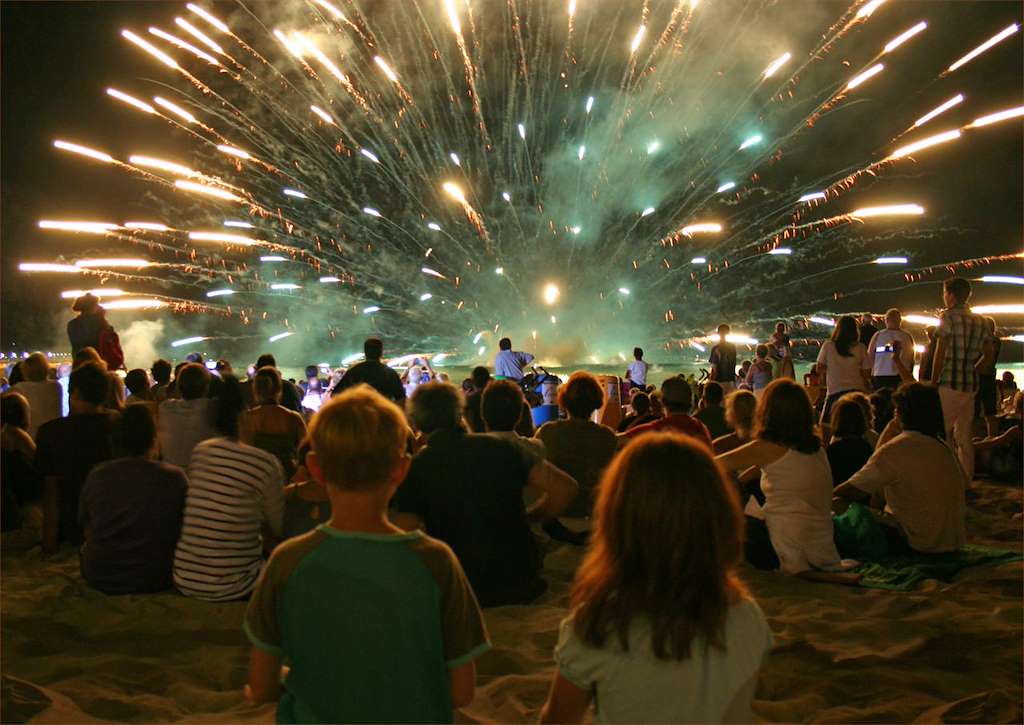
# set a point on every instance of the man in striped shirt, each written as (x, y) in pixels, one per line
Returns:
(962, 344)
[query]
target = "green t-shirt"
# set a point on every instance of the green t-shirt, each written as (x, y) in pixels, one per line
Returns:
(371, 624)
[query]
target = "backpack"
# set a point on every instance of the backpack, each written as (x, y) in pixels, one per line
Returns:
(110, 349)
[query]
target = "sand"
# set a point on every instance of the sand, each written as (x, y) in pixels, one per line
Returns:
(943, 653)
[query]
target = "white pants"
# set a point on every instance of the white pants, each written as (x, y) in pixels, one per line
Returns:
(958, 415)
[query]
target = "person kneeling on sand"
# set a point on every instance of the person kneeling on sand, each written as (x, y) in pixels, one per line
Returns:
(131, 511)
(378, 625)
(919, 477)
(466, 489)
(662, 629)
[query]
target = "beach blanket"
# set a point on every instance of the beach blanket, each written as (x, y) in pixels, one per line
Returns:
(859, 535)
(904, 573)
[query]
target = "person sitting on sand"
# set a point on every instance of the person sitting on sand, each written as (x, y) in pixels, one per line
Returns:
(480, 377)
(919, 477)
(577, 445)
(793, 529)
(661, 628)
(44, 395)
(67, 450)
(306, 503)
(161, 372)
(466, 489)
(140, 392)
(712, 412)
(739, 415)
(640, 404)
(501, 400)
(848, 451)
(677, 399)
(21, 485)
(185, 421)
(234, 490)
(131, 511)
(269, 425)
(377, 625)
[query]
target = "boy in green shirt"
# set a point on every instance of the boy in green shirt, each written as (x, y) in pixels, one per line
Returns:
(377, 625)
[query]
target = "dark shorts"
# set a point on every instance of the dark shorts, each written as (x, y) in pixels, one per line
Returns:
(885, 381)
(986, 395)
(758, 547)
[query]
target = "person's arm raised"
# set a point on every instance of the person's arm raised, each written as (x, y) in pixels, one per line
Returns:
(755, 453)
(556, 489)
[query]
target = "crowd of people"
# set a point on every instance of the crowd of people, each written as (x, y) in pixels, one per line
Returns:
(368, 518)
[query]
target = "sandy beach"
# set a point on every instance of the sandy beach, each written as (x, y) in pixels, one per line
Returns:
(946, 652)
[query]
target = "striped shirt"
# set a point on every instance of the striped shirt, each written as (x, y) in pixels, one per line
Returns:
(966, 334)
(233, 489)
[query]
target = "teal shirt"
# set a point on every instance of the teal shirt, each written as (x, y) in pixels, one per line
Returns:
(371, 625)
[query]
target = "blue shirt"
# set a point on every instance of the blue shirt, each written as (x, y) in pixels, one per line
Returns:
(509, 364)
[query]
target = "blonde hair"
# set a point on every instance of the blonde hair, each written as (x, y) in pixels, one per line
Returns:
(35, 368)
(358, 438)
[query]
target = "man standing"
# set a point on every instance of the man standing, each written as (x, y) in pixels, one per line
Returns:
(636, 371)
(723, 361)
(374, 373)
(884, 346)
(480, 377)
(84, 330)
(866, 328)
(962, 343)
(509, 364)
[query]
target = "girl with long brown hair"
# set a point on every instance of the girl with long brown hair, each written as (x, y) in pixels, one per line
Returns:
(661, 630)
(793, 530)
(843, 363)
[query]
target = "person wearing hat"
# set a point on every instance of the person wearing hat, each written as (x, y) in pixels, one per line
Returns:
(84, 330)
(677, 400)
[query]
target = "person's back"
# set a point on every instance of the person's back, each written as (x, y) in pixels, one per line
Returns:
(635, 686)
(184, 422)
(468, 489)
(269, 425)
(846, 456)
(713, 418)
(68, 448)
(924, 490)
(84, 330)
(131, 509)
(378, 376)
(45, 400)
(233, 488)
(508, 363)
(660, 627)
(798, 509)
(582, 449)
(376, 625)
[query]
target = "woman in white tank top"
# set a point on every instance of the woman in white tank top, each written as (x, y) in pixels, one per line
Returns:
(796, 481)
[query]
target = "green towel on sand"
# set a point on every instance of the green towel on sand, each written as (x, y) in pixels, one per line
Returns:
(859, 536)
(903, 573)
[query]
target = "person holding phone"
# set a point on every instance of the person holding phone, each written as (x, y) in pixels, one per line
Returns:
(886, 345)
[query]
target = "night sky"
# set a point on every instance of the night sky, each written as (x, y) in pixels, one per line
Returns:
(58, 58)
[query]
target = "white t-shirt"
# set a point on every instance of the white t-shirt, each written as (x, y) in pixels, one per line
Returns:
(924, 490)
(883, 364)
(638, 371)
(843, 373)
(45, 401)
(798, 511)
(636, 687)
